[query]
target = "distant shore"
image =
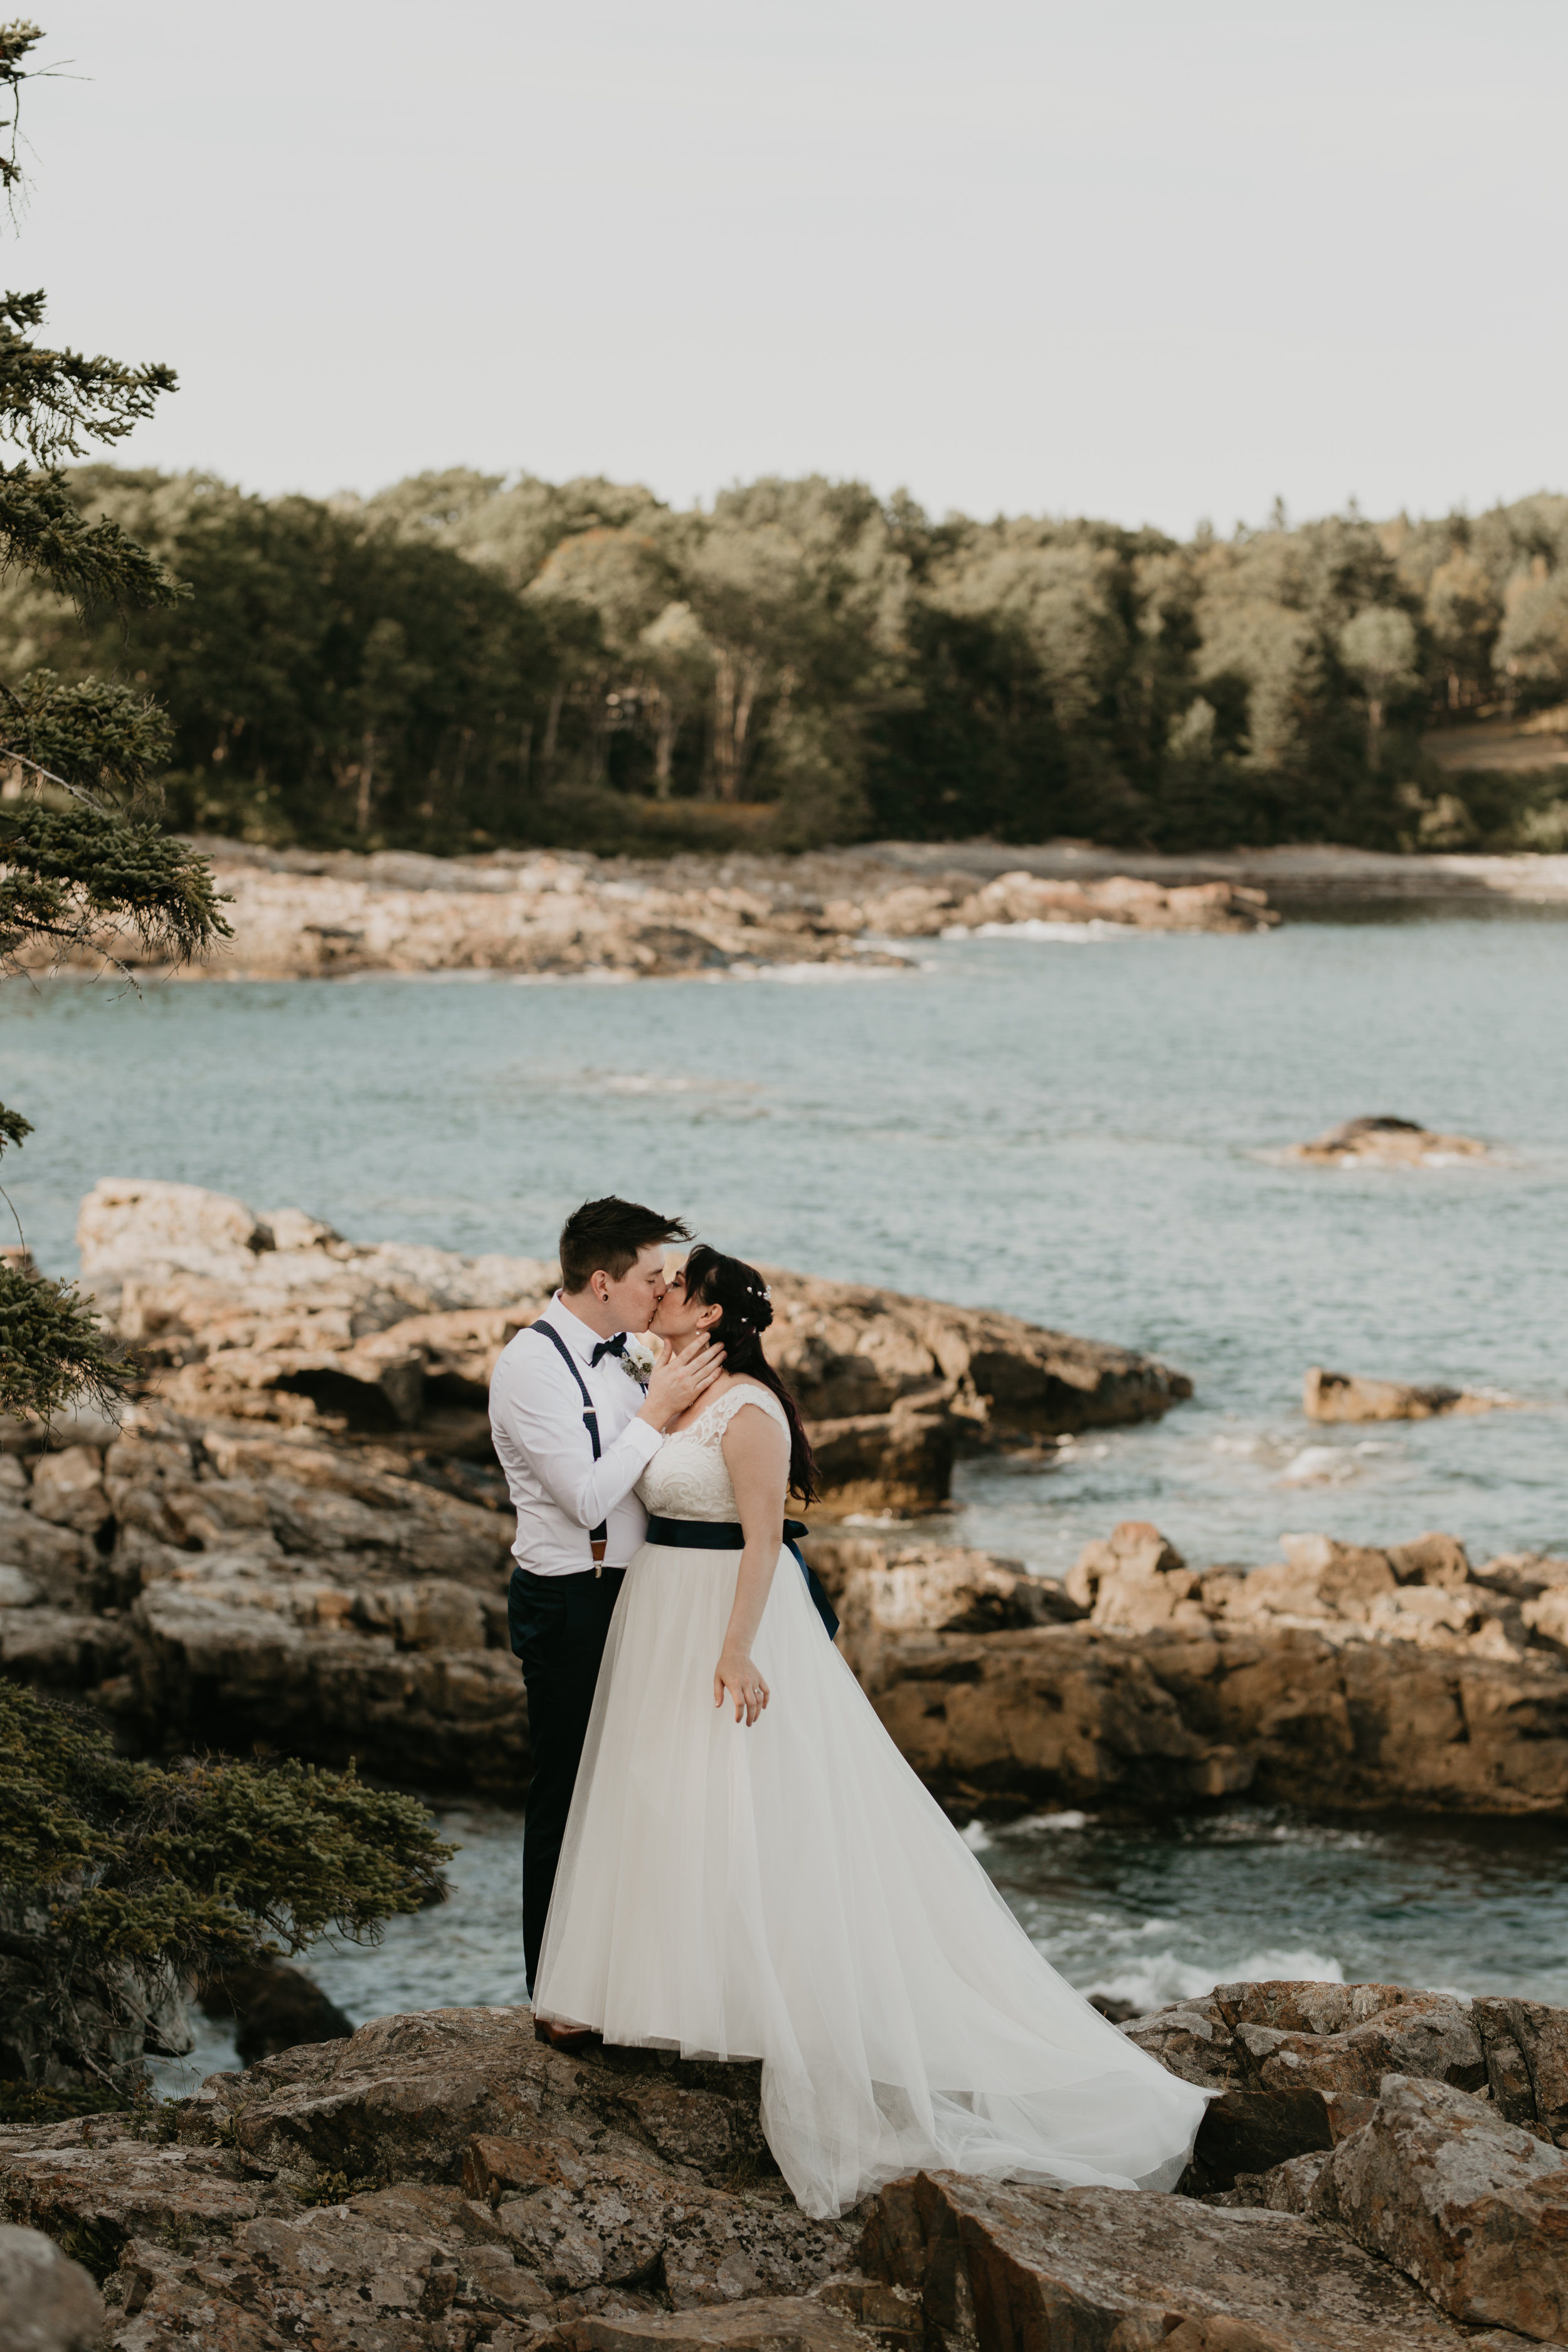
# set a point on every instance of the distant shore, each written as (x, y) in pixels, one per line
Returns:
(300, 914)
(1297, 876)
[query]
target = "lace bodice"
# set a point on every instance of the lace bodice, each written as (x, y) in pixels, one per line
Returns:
(687, 1478)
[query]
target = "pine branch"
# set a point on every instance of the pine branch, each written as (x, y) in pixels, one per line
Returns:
(44, 531)
(52, 1348)
(17, 39)
(70, 875)
(50, 400)
(90, 739)
(160, 1871)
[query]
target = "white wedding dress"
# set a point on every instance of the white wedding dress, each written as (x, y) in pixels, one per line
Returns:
(792, 1893)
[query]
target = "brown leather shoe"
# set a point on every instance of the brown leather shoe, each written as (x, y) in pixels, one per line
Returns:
(563, 2037)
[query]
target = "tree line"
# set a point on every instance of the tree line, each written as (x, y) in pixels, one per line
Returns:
(465, 661)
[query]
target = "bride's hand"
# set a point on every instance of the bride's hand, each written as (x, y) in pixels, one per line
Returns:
(678, 1380)
(738, 1679)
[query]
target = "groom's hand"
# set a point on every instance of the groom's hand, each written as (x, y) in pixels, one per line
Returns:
(679, 1380)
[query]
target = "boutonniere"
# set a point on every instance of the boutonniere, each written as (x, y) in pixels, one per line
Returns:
(638, 1362)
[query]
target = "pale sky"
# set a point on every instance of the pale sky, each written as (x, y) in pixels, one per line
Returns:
(1141, 259)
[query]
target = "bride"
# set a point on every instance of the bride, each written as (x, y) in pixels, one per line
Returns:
(751, 1870)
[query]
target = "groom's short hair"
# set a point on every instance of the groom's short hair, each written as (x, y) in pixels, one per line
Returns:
(609, 1236)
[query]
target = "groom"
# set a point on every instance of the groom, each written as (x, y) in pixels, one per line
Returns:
(574, 1429)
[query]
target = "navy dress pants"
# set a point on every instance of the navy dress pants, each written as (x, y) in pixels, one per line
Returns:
(558, 1626)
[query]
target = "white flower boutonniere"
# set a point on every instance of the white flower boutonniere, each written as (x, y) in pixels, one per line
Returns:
(638, 1362)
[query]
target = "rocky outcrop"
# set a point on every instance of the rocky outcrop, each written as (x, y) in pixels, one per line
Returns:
(276, 1317)
(1016, 2268)
(1387, 1143)
(298, 914)
(274, 2006)
(484, 2189)
(850, 1351)
(299, 1535)
(487, 2190)
(1342, 1675)
(449, 2183)
(1346, 1396)
(1296, 2066)
(1471, 2207)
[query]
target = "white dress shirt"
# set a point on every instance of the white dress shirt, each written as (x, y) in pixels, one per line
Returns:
(558, 1490)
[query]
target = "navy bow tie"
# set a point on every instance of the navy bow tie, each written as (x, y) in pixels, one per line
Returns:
(615, 1347)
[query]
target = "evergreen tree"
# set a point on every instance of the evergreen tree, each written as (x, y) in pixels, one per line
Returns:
(82, 857)
(122, 1880)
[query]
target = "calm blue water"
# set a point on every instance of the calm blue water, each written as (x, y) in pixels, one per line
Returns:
(1079, 1133)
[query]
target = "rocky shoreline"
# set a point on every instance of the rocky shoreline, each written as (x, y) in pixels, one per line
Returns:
(298, 914)
(1379, 2170)
(298, 1538)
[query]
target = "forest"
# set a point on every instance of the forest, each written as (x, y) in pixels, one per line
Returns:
(465, 661)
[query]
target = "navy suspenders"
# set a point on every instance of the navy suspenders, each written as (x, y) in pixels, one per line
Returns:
(597, 1536)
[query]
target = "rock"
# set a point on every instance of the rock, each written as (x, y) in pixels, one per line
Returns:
(1011, 2268)
(50, 2302)
(1388, 1143)
(68, 1489)
(298, 1532)
(95, 2184)
(1024, 897)
(897, 1462)
(1135, 1581)
(1523, 1575)
(847, 1350)
(472, 2186)
(774, 2325)
(56, 1560)
(880, 1587)
(275, 2005)
(1526, 2046)
(1049, 1714)
(1297, 2064)
(1344, 1396)
(301, 915)
(1473, 2209)
(580, 2218)
(403, 2098)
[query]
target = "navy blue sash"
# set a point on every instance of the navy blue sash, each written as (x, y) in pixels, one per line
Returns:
(727, 1534)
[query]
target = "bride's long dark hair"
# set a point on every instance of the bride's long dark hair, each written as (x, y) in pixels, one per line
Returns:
(739, 1292)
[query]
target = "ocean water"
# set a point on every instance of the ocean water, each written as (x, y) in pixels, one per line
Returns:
(1146, 1915)
(1086, 1131)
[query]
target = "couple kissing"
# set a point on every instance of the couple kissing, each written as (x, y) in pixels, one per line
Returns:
(725, 1854)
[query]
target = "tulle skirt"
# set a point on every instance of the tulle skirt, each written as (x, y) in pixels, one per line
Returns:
(792, 1893)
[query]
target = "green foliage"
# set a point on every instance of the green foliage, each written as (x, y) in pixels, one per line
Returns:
(463, 662)
(69, 869)
(120, 1877)
(82, 863)
(43, 531)
(52, 1346)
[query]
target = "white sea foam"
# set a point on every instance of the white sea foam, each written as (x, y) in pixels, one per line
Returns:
(1165, 1976)
(809, 975)
(1068, 935)
(1318, 1466)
